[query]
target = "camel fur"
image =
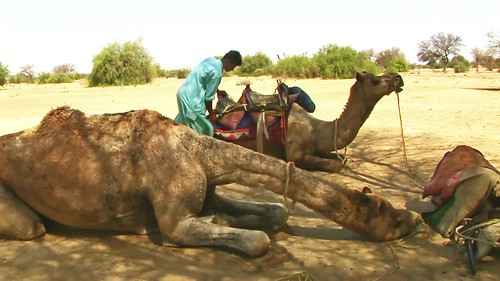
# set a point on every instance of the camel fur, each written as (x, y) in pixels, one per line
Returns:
(141, 172)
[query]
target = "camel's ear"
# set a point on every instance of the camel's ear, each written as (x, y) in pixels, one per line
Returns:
(366, 189)
(359, 76)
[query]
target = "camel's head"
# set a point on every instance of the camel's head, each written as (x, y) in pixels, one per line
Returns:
(379, 86)
(384, 222)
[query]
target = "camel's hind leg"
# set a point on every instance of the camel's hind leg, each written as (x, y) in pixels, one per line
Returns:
(245, 214)
(18, 220)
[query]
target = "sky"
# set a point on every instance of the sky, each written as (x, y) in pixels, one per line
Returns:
(181, 33)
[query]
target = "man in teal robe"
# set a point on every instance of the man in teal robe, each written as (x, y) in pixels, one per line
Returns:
(196, 94)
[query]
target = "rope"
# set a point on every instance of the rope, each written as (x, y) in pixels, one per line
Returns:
(395, 265)
(405, 157)
(261, 131)
(467, 232)
(420, 229)
(287, 180)
(342, 157)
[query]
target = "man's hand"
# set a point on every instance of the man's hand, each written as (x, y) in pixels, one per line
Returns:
(212, 117)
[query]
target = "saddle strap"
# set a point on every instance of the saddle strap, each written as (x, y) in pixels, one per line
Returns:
(261, 130)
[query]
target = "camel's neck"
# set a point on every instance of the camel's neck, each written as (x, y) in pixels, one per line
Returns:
(255, 169)
(356, 111)
(332, 199)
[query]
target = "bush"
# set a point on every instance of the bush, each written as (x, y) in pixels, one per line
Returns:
(251, 64)
(4, 73)
(182, 73)
(19, 78)
(127, 64)
(43, 78)
(333, 62)
(398, 64)
(298, 66)
(57, 78)
(460, 67)
(459, 64)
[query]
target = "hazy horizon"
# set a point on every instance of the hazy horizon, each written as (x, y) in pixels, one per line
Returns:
(48, 33)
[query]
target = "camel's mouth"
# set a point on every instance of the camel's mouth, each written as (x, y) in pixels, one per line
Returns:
(398, 84)
(394, 81)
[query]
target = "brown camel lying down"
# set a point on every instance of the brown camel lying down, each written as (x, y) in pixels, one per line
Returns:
(141, 172)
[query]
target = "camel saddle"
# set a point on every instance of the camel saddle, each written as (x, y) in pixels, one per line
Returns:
(466, 192)
(253, 116)
(450, 169)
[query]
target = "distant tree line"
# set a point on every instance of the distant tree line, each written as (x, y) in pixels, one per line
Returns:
(131, 64)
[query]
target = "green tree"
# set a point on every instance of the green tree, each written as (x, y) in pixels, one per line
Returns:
(127, 64)
(298, 66)
(459, 64)
(160, 72)
(43, 78)
(333, 62)
(439, 47)
(4, 73)
(392, 60)
(256, 65)
(398, 64)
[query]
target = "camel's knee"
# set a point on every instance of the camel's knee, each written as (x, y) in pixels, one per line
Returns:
(278, 215)
(19, 221)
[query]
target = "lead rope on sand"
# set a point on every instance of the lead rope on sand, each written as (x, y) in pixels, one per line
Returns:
(287, 180)
(400, 242)
(395, 264)
(405, 157)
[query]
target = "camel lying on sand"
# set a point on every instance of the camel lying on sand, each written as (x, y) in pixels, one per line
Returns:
(141, 172)
(312, 143)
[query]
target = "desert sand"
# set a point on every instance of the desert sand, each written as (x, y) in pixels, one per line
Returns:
(438, 112)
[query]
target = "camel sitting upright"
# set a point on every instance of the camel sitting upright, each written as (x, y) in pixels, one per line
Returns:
(312, 143)
(141, 172)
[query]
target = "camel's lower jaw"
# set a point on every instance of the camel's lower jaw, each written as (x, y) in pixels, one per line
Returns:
(399, 90)
(419, 226)
(412, 225)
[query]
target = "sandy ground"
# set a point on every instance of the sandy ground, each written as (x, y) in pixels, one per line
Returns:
(439, 111)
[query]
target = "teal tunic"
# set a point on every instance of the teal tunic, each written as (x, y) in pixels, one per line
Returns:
(200, 86)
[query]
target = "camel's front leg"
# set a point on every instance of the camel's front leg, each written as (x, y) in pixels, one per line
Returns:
(176, 214)
(18, 220)
(317, 163)
(301, 152)
(246, 214)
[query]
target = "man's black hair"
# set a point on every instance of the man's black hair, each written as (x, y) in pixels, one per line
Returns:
(234, 57)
